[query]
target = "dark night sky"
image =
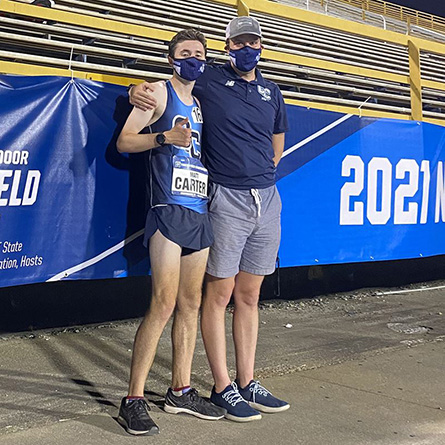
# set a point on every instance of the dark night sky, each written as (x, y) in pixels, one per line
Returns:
(436, 7)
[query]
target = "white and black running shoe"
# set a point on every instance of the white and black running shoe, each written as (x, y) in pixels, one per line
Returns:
(192, 403)
(134, 417)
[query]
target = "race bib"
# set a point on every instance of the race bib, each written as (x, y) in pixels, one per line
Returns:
(189, 178)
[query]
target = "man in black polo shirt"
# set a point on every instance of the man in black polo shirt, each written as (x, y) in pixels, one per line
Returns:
(243, 140)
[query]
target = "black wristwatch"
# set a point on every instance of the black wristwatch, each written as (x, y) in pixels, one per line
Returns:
(160, 139)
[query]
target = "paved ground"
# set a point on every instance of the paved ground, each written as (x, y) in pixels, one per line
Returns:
(361, 368)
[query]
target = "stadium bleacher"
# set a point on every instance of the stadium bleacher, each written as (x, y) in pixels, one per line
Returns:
(339, 71)
(402, 20)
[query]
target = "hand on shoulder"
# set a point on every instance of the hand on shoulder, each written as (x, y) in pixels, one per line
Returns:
(146, 95)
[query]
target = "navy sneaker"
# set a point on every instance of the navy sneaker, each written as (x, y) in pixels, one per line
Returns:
(237, 408)
(261, 399)
(192, 403)
(133, 415)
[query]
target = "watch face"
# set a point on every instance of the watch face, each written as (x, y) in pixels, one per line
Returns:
(160, 139)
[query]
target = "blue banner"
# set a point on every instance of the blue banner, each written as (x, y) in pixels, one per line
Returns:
(361, 189)
(353, 189)
(70, 204)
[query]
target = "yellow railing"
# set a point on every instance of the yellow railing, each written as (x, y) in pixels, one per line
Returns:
(402, 13)
(413, 45)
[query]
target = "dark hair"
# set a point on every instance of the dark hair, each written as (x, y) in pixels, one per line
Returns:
(45, 3)
(186, 34)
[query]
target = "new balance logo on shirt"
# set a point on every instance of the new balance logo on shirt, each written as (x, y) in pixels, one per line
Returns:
(264, 92)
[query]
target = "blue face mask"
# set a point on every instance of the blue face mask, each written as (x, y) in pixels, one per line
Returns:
(245, 59)
(190, 68)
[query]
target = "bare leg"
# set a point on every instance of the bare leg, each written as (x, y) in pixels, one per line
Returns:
(216, 298)
(165, 258)
(185, 322)
(245, 324)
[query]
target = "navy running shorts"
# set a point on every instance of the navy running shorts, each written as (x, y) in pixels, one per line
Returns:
(188, 229)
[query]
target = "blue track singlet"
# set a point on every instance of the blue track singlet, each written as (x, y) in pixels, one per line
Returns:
(176, 174)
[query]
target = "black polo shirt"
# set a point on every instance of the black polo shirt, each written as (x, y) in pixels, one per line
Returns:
(240, 118)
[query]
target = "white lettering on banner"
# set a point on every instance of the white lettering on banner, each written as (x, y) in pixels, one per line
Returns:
(15, 157)
(379, 187)
(406, 167)
(30, 262)
(31, 189)
(12, 247)
(440, 193)
(425, 169)
(374, 215)
(355, 216)
(8, 264)
(9, 247)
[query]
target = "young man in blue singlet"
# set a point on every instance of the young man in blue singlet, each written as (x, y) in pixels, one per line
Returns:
(177, 231)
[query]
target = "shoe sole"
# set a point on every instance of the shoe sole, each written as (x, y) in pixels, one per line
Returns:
(242, 419)
(269, 409)
(151, 432)
(176, 410)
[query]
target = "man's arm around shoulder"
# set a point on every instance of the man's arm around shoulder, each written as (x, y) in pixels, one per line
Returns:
(130, 141)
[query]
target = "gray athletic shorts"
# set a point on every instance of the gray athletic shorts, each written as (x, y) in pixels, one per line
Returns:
(246, 227)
